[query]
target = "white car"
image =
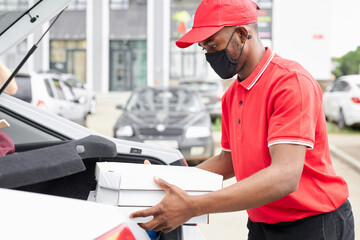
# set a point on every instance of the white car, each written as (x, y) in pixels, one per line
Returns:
(55, 156)
(81, 91)
(49, 92)
(342, 101)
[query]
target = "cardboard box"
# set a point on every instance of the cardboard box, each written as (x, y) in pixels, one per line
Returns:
(132, 186)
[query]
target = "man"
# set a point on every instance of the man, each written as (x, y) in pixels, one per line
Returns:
(274, 139)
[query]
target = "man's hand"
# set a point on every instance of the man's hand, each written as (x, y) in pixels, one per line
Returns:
(175, 209)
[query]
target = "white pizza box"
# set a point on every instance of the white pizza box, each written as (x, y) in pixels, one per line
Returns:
(132, 186)
(141, 176)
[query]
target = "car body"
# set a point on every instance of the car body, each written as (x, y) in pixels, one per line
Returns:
(41, 167)
(211, 92)
(48, 91)
(342, 101)
(170, 117)
(81, 91)
(33, 129)
(88, 220)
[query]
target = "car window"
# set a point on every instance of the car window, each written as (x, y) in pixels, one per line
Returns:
(24, 88)
(201, 86)
(69, 95)
(21, 131)
(344, 86)
(75, 83)
(58, 89)
(178, 100)
(48, 88)
(340, 86)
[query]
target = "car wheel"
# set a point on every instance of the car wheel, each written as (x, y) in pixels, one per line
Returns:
(341, 120)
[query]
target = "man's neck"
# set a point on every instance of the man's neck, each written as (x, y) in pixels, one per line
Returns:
(253, 60)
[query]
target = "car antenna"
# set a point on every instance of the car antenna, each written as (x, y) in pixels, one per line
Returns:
(30, 52)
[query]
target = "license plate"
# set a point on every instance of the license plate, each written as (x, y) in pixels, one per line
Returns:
(168, 144)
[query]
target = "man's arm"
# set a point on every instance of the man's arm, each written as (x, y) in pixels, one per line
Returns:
(5, 73)
(274, 182)
(220, 164)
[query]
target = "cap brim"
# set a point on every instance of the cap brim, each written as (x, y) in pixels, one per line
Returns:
(196, 35)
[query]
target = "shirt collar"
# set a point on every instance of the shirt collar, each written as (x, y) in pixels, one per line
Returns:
(250, 81)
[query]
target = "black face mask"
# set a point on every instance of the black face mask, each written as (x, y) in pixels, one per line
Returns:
(221, 62)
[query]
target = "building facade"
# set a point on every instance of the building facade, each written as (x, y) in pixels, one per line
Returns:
(119, 45)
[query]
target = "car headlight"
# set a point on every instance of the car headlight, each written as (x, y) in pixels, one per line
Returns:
(197, 132)
(124, 131)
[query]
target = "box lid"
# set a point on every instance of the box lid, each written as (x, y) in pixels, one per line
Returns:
(141, 177)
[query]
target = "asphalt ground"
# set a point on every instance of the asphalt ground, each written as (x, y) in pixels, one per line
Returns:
(344, 148)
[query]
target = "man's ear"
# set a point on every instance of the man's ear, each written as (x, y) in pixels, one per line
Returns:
(244, 33)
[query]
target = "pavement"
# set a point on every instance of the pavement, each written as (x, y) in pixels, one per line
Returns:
(346, 147)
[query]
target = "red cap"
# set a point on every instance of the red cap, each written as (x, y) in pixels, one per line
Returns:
(213, 15)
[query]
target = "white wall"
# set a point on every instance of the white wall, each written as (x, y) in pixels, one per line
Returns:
(295, 27)
(345, 34)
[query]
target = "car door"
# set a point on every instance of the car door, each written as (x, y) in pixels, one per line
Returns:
(331, 100)
(341, 98)
(75, 110)
(67, 108)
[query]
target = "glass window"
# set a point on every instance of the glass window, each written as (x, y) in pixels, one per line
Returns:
(126, 4)
(22, 132)
(200, 86)
(128, 62)
(69, 95)
(341, 86)
(24, 88)
(58, 89)
(77, 5)
(48, 88)
(187, 63)
(14, 5)
(176, 100)
(74, 83)
(69, 56)
(345, 86)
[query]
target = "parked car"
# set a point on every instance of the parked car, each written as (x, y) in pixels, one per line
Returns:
(42, 164)
(48, 91)
(81, 91)
(211, 92)
(342, 101)
(55, 156)
(169, 117)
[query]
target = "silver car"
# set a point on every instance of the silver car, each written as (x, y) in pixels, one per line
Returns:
(211, 92)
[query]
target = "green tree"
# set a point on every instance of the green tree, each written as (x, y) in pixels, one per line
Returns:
(348, 64)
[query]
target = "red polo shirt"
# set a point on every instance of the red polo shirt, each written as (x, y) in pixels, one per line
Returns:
(280, 102)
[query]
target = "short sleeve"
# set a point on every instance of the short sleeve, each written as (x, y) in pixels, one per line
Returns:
(295, 105)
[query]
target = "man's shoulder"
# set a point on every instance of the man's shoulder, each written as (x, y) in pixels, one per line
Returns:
(286, 66)
(285, 69)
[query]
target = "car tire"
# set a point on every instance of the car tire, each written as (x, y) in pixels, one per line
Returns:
(341, 121)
